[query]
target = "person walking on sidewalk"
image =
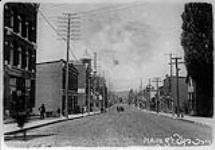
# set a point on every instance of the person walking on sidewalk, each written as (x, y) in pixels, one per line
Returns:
(58, 112)
(42, 110)
(21, 114)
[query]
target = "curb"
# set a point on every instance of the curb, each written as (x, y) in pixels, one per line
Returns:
(182, 119)
(195, 122)
(46, 124)
(187, 120)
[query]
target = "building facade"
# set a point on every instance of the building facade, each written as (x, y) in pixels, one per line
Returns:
(20, 24)
(82, 85)
(100, 92)
(50, 87)
(169, 94)
(149, 94)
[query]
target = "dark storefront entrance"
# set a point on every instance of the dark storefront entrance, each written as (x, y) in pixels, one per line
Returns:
(18, 90)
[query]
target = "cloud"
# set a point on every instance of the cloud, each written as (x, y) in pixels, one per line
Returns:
(137, 37)
(131, 43)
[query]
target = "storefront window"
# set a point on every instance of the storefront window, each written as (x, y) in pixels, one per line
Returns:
(28, 83)
(12, 81)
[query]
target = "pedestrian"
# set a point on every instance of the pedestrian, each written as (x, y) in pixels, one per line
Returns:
(42, 110)
(21, 114)
(58, 112)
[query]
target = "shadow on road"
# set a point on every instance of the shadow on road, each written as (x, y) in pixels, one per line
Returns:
(27, 138)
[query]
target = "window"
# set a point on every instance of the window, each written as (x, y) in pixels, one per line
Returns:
(23, 58)
(11, 54)
(12, 19)
(16, 23)
(6, 19)
(34, 34)
(12, 81)
(19, 24)
(33, 61)
(20, 57)
(23, 27)
(27, 59)
(6, 7)
(27, 28)
(30, 31)
(16, 54)
(27, 83)
(6, 52)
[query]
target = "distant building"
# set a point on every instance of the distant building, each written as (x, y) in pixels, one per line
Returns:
(169, 92)
(149, 94)
(19, 49)
(192, 96)
(50, 86)
(82, 85)
(84, 82)
(100, 87)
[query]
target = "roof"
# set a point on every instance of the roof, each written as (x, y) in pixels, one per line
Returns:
(54, 61)
(57, 61)
(86, 55)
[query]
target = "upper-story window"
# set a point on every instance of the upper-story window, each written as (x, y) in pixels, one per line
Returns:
(11, 19)
(16, 54)
(6, 52)
(34, 34)
(29, 59)
(19, 24)
(30, 31)
(6, 7)
(6, 16)
(27, 29)
(19, 57)
(16, 23)
(33, 61)
(23, 58)
(11, 53)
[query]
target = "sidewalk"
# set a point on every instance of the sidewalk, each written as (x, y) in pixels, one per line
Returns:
(194, 119)
(11, 128)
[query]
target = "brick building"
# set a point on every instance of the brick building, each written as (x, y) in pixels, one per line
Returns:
(101, 99)
(50, 85)
(19, 49)
(82, 85)
(169, 91)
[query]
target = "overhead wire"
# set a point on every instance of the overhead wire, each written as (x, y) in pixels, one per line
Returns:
(54, 29)
(106, 10)
(109, 9)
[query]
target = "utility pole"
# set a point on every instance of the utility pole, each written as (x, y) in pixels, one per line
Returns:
(149, 95)
(104, 93)
(170, 82)
(95, 61)
(89, 92)
(157, 80)
(177, 84)
(68, 30)
(94, 78)
(67, 66)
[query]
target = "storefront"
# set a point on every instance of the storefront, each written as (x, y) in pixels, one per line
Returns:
(18, 86)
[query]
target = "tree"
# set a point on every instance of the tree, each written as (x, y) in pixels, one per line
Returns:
(197, 42)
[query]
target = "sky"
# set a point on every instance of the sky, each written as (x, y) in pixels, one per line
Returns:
(139, 35)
